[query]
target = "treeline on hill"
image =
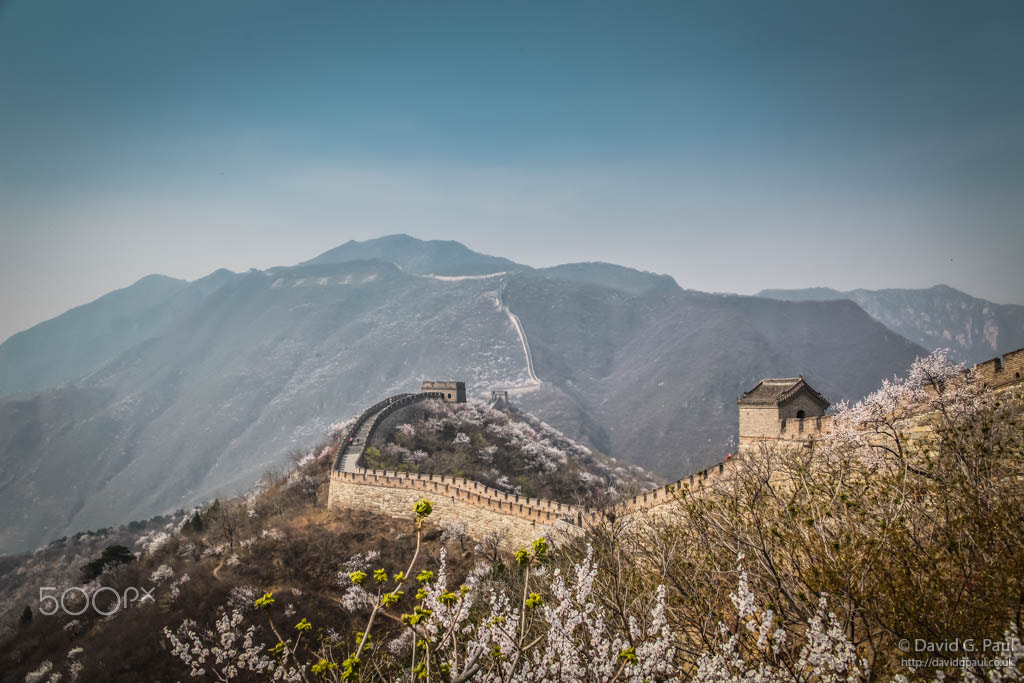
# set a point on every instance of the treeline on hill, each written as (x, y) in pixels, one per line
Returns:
(278, 534)
(506, 449)
(63, 560)
(279, 537)
(835, 563)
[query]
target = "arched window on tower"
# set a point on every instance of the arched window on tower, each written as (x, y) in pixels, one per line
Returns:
(801, 414)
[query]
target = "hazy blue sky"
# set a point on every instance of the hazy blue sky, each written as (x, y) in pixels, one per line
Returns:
(732, 145)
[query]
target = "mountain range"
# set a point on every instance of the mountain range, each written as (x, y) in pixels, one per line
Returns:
(973, 329)
(168, 393)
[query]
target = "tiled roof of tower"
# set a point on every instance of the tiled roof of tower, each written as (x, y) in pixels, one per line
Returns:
(776, 390)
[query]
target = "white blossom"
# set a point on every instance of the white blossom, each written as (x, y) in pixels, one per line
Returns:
(161, 574)
(358, 562)
(175, 587)
(151, 543)
(827, 655)
(242, 598)
(454, 530)
(39, 674)
(225, 651)
(356, 599)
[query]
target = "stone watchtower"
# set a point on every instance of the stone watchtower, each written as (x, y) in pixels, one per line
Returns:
(451, 392)
(765, 409)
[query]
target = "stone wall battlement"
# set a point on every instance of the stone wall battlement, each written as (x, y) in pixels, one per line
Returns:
(480, 516)
(471, 492)
(667, 493)
(519, 519)
(1000, 371)
(535, 510)
(804, 428)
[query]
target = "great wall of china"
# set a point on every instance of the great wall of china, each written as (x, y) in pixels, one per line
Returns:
(517, 520)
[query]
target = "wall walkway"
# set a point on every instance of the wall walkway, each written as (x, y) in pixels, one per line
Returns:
(519, 519)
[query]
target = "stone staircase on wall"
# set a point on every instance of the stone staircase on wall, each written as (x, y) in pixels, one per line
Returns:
(358, 438)
(355, 448)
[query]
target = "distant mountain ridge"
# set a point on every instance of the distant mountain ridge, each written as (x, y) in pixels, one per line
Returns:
(937, 317)
(86, 337)
(425, 257)
(653, 378)
(610, 275)
(221, 376)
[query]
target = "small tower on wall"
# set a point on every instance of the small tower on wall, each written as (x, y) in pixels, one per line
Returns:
(451, 392)
(764, 408)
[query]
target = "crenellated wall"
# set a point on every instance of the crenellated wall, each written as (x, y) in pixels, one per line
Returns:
(516, 519)
(487, 509)
(792, 430)
(761, 424)
(705, 479)
(473, 492)
(519, 519)
(999, 372)
(450, 392)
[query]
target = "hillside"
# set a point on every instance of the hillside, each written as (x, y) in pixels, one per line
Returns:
(938, 317)
(280, 533)
(196, 565)
(235, 581)
(506, 449)
(241, 368)
(85, 338)
(653, 378)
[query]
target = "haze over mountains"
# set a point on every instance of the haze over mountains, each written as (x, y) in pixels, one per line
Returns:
(938, 317)
(87, 337)
(167, 393)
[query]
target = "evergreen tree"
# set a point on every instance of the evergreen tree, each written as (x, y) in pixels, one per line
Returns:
(112, 555)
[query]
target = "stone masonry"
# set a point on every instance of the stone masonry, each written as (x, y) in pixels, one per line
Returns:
(396, 496)
(451, 392)
(772, 413)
